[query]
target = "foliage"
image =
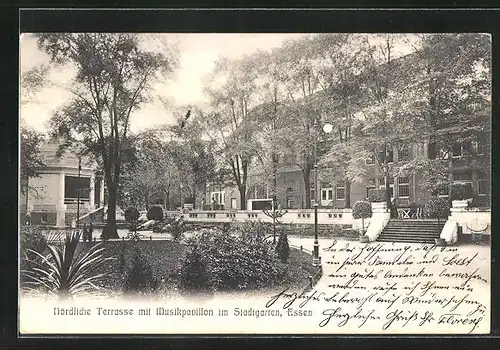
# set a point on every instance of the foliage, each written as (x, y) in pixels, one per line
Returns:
(115, 73)
(283, 247)
(131, 214)
(66, 271)
(193, 276)
(155, 213)
(139, 277)
(377, 195)
(437, 207)
(31, 238)
(235, 262)
(252, 230)
(122, 258)
(361, 210)
(440, 188)
(30, 158)
(176, 226)
(461, 191)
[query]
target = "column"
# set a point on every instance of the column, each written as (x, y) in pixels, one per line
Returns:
(92, 192)
(60, 206)
(101, 194)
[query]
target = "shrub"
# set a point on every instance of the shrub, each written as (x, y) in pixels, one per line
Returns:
(253, 230)
(362, 210)
(64, 272)
(155, 213)
(437, 207)
(461, 191)
(193, 276)
(139, 278)
(283, 248)
(377, 195)
(131, 214)
(31, 238)
(177, 226)
(232, 262)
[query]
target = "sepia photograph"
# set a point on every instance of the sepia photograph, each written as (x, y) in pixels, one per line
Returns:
(256, 183)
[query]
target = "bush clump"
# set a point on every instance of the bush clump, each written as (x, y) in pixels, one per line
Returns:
(283, 247)
(193, 276)
(218, 260)
(437, 208)
(131, 215)
(139, 277)
(155, 213)
(461, 191)
(377, 195)
(362, 210)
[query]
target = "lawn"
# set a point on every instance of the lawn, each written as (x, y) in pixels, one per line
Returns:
(164, 257)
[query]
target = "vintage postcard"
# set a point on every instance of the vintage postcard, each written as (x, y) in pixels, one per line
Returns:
(334, 183)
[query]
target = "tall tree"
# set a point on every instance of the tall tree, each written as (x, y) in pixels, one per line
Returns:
(302, 84)
(231, 91)
(30, 157)
(114, 76)
(339, 58)
(454, 92)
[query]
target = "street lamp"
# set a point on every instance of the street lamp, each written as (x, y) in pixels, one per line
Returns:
(78, 188)
(327, 128)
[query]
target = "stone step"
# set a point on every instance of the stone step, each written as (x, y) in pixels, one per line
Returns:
(409, 236)
(416, 226)
(406, 240)
(410, 230)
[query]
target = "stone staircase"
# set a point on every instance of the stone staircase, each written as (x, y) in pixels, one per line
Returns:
(411, 231)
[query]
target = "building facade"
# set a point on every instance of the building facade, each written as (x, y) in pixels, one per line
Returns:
(54, 194)
(465, 163)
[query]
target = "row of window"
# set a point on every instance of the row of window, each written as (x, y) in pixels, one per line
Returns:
(458, 150)
(403, 187)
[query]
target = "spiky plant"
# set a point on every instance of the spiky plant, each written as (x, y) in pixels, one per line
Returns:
(65, 272)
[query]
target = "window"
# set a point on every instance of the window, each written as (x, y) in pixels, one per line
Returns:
(463, 178)
(479, 145)
(389, 154)
(340, 192)
(483, 187)
(218, 197)
(259, 191)
(75, 187)
(404, 187)
(461, 149)
(327, 194)
(404, 154)
(390, 180)
(483, 184)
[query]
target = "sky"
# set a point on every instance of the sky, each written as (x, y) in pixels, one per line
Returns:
(197, 55)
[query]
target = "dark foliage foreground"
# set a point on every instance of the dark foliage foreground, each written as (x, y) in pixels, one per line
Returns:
(219, 261)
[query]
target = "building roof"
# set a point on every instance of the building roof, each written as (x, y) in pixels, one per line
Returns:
(68, 159)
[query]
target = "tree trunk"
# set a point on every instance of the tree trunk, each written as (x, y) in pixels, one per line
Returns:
(307, 184)
(109, 230)
(243, 204)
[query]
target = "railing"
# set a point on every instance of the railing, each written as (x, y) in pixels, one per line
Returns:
(295, 216)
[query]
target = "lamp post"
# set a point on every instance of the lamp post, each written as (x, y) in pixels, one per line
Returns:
(78, 193)
(327, 128)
